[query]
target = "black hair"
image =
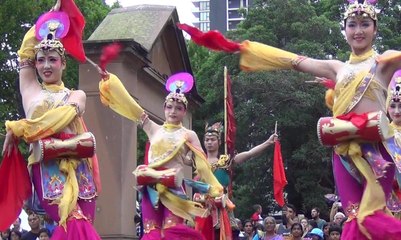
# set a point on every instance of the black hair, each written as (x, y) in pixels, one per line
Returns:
(317, 209)
(45, 230)
(313, 223)
(16, 232)
(289, 205)
(335, 228)
(297, 224)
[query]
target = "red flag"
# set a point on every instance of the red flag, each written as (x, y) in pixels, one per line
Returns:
(73, 40)
(15, 186)
(231, 125)
(279, 179)
(212, 39)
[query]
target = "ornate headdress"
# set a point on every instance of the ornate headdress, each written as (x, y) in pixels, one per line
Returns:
(177, 85)
(395, 87)
(365, 8)
(51, 27)
(214, 130)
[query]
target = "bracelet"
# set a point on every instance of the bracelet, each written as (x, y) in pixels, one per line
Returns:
(295, 62)
(24, 63)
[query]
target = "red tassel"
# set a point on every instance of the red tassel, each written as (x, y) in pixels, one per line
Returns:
(212, 39)
(109, 53)
(328, 83)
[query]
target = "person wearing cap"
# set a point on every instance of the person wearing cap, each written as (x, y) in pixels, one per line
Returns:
(359, 97)
(164, 203)
(65, 180)
(315, 234)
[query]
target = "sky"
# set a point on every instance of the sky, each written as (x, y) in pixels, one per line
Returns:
(184, 7)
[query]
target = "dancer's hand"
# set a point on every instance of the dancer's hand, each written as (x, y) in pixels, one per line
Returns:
(56, 7)
(9, 142)
(272, 138)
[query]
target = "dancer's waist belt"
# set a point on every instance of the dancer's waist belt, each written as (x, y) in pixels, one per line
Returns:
(65, 146)
(368, 127)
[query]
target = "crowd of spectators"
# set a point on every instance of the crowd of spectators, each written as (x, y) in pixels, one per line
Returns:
(40, 229)
(292, 226)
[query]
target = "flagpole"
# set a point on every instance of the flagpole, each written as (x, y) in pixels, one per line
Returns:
(225, 109)
(275, 128)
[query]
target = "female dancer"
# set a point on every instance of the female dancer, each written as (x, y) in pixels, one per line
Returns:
(164, 203)
(393, 144)
(221, 217)
(64, 178)
(364, 183)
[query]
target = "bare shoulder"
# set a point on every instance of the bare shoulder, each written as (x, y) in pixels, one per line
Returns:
(390, 52)
(191, 135)
(79, 94)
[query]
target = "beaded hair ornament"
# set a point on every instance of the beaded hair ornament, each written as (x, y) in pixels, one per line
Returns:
(214, 130)
(363, 8)
(177, 85)
(395, 87)
(49, 28)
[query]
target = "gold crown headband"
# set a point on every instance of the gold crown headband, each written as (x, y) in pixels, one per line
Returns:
(215, 130)
(177, 97)
(50, 42)
(364, 8)
(177, 85)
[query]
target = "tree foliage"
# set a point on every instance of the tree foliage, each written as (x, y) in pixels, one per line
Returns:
(311, 28)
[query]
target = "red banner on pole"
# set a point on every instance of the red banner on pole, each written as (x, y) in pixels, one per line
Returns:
(231, 124)
(279, 179)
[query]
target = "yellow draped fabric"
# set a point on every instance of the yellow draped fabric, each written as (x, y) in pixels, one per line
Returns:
(114, 95)
(345, 94)
(48, 124)
(395, 56)
(353, 58)
(184, 208)
(257, 56)
(53, 121)
(27, 49)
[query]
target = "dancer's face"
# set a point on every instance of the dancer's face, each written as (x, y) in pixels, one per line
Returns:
(50, 66)
(360, 32)
(394, 111)
(211, 143)
(174, 112)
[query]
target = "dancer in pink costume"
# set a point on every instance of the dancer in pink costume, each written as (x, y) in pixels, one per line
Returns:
(63, 167)
(363, 169)
(165, 205)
